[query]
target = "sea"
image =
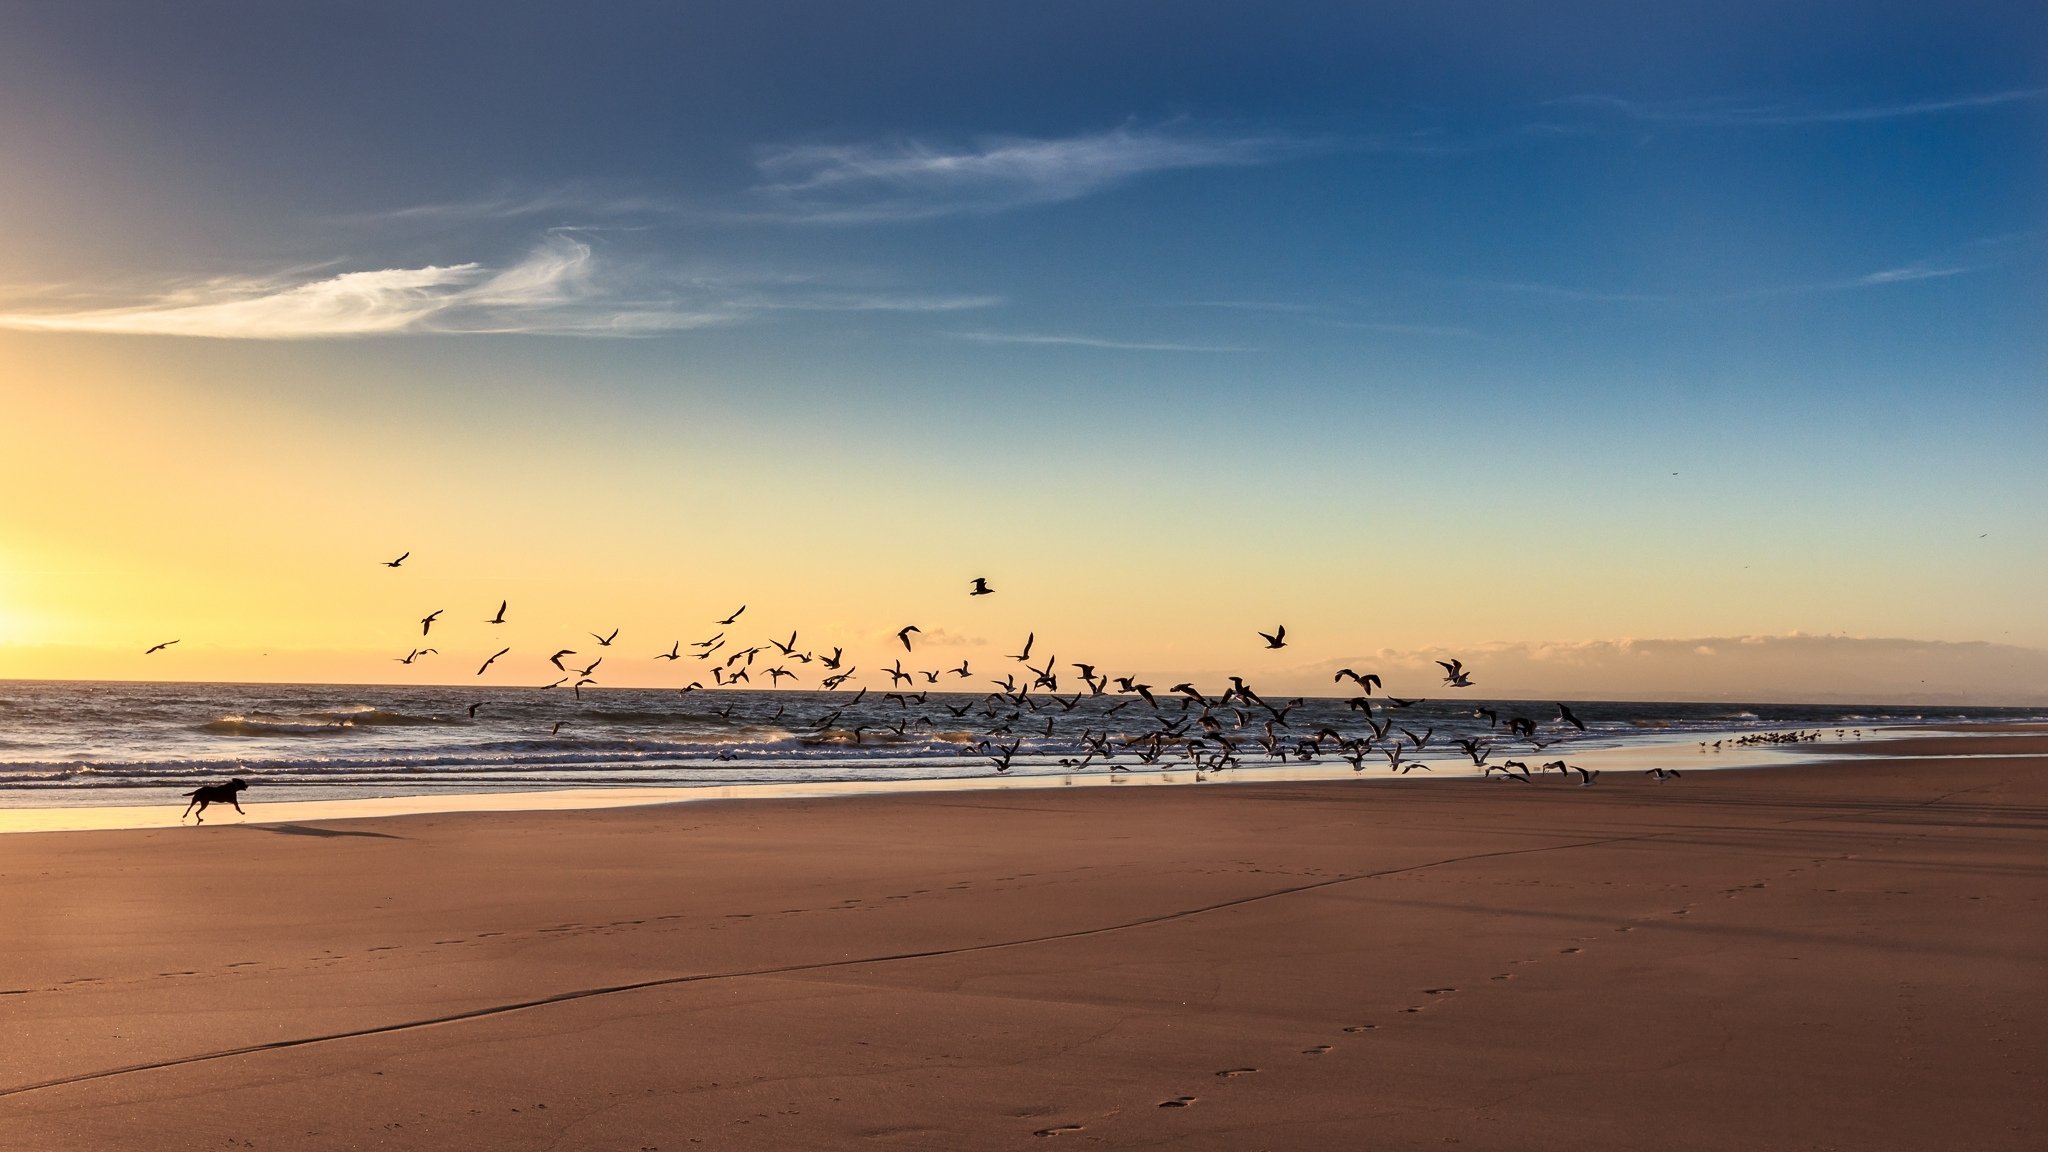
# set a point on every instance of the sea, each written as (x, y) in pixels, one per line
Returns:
(80, 744)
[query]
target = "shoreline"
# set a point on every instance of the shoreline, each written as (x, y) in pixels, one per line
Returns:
(1683, 754)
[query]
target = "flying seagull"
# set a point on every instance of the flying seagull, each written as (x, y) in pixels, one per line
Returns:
(556, 659)
(500, 617)
(394, 563)
(904, 635)
(981, 587)
(1454, 673)
(605, 641)
(427, 621)
(1564, 715)
(492, 660)
(734, 616)
(1277, 638)
(160, 647)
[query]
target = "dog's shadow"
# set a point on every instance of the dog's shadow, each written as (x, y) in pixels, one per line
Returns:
(323, 833)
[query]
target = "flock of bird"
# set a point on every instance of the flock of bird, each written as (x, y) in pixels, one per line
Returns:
(1181, 724)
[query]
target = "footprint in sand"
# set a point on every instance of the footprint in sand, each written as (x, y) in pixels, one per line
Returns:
(1568, 951)
(1438, 991)
(1177, 1102)
(1229, 1073)
(1057, 1129)
(1361, 1027)
(1318, 1050)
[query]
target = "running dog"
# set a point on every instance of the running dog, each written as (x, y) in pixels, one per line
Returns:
(214, 794)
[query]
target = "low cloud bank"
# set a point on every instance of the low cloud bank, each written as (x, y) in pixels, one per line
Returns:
(1795, 668)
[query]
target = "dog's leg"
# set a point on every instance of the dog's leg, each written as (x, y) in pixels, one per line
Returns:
(202, 812)
(237, 802)
(187, 811)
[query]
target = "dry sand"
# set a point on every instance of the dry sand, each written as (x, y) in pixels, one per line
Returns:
(1851, 956)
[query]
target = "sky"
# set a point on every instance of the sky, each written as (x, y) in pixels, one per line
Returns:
(1603, 342)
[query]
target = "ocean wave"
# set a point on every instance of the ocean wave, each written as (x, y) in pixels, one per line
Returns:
(320, 723)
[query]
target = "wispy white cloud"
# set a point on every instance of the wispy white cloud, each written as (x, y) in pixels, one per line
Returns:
(1566, 291)
(1094, 342)
(567, 201)
(912, 180)
(1729, 113)
(1345, 314)
(1885, 277)
(1904, 275)
(877, 302)
(559, 288)
(260, 308)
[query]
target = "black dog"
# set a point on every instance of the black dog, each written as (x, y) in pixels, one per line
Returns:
(214, 794)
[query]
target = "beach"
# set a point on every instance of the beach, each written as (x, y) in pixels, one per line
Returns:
(1841, 955)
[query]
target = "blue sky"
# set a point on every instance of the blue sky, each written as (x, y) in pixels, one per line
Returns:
(1507, 266)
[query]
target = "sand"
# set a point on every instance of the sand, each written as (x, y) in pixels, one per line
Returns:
(1843, 956)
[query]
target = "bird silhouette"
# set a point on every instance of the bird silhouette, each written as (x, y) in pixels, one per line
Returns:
(1025, 655)
(734, 616)
(1277, 638)
(903, 634)
(981, 587)
(1564, 715)
(427, 621)
(500, 617)
(1365, 683)
(605, 641)
(160, 647)
(1454, 673)
(675, 652)
(556, 659)
(492, 660)
(394, 563)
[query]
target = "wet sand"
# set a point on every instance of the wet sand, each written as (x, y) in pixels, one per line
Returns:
(1841, 956)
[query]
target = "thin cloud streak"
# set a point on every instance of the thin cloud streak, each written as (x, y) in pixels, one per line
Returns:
(1093, 342)
(1730, 115)
(910, 180)
(1906, 274)
(1333, 316)
(559, 288)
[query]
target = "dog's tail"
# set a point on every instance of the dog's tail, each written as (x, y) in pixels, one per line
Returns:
(194, 794)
